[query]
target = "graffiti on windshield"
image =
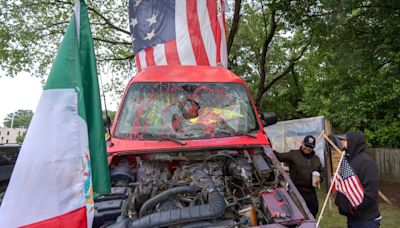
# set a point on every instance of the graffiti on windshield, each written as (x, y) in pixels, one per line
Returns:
(185, 111)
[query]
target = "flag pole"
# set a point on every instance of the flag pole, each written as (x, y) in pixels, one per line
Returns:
(334, 176)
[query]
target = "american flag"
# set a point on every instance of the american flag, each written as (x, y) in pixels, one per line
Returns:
(178, 32)
(347, 182)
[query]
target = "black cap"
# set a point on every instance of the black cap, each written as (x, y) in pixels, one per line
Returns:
(309, 141)
(342, 136)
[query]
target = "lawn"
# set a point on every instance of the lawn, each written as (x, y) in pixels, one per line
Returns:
(332, 218)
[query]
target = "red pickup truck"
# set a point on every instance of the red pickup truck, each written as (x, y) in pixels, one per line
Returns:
(188, 149)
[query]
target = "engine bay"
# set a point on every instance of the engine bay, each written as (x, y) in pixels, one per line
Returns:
(223, 188)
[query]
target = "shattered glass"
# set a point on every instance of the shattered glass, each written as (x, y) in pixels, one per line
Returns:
(185, 111)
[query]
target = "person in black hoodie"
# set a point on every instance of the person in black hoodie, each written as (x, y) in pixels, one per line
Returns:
(367, 213)
(302, 163)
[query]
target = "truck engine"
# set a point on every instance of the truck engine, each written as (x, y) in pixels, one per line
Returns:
(226, 188)
(188, 149)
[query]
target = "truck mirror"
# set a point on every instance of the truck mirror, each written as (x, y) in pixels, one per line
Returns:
(269, 118)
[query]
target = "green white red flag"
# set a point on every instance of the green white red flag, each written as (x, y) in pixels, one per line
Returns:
(63, 158)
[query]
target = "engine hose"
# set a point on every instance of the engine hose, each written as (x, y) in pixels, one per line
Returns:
(215, 208)
(152, 202)
(221, 155)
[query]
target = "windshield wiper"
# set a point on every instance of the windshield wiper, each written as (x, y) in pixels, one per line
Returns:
(239, 133)
(164, 138)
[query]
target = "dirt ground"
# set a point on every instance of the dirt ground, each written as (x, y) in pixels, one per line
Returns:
(391, 191)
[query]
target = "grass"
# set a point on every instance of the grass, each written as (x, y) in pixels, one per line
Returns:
(332, 219)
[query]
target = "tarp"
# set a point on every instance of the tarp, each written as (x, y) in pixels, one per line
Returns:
(288, 135)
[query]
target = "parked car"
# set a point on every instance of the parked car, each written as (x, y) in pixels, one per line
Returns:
(8, 156)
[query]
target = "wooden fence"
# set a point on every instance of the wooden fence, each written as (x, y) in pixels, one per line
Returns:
(388, 161)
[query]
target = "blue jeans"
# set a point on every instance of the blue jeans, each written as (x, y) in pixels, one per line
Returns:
(359, 223)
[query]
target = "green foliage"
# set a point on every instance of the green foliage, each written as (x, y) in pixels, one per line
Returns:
(30, 32)
(291, 35)
(20, 138)
(353, 76)
(111, 115)
(22, 118)
(349, 73)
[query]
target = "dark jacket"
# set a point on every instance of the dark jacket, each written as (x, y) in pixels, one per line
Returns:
(367, 171)
(301, 166)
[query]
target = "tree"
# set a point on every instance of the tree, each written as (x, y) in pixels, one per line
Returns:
(353, 76)
(20, 138)
(272, 38)
(300, 58)
(20, 118)
(30, 32)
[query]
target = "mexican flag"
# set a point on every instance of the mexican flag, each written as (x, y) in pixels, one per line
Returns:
(63, 158)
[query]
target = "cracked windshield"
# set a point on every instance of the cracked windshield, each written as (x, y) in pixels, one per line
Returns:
(155, 111)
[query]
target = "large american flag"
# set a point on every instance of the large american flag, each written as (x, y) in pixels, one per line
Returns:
(178, 32)
(347, 182)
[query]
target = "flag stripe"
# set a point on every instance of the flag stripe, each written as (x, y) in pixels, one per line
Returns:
(359, 188)
(63, 154)
(194, 31)
(183, 44)
(76, 218)
(353, 191)
(223, 50)
(55, 184)
(137, 59)
(159, 55)
(349, 193)
(359, 194)
(142, 59)
(172, 53)
(206, 31)
(149, 56)
(216, 30)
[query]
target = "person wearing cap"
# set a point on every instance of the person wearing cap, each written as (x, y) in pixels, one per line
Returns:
(367, 213)
(302, 163)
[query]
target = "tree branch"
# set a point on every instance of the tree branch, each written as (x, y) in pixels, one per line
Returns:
(292, 62)
(118, 59)
(111, 41)
(107, 21)
(267, 41)
(235, 24)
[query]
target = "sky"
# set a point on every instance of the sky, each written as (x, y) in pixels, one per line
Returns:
(20, 92)
(24, 92)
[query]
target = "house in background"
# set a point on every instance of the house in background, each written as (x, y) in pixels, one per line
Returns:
(9, 135)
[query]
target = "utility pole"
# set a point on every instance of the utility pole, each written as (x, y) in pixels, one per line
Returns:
(12, 120)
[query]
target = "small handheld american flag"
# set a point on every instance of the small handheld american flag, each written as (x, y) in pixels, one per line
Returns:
(347, 182)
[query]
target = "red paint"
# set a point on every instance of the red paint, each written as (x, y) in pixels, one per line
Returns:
(186, 74)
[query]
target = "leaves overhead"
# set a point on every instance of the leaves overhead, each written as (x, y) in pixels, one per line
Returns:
(303, 58)
(353, 76)
(30, 32)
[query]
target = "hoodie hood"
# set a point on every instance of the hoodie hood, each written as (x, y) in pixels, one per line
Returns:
(355, 144)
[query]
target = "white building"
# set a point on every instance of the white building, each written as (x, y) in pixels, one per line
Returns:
(9, 135)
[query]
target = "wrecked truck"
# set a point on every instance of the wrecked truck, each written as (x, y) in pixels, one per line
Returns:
(188, 149)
